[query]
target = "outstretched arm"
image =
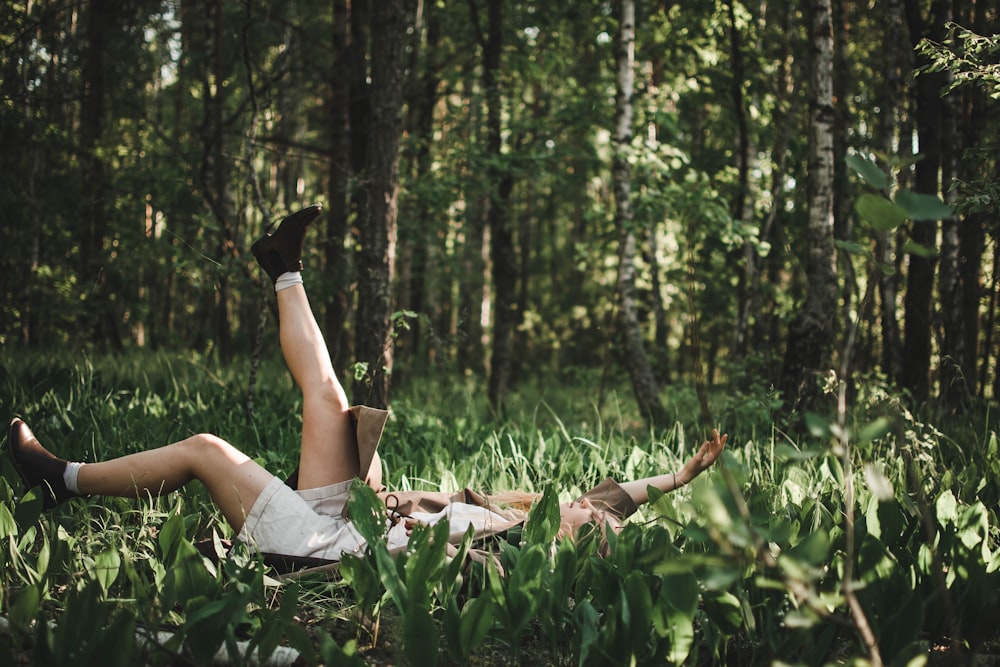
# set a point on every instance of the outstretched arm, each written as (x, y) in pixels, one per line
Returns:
(703, 459)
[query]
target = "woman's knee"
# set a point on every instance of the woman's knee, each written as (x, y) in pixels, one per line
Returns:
(206, 445)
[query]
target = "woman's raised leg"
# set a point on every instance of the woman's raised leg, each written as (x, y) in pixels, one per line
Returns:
(329, 452)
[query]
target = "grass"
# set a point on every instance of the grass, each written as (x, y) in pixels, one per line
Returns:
(97, 565)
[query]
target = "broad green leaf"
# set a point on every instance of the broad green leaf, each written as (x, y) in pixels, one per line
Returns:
(680, 590)
(420, 637)
(640, 607)
(947, 507)
(923, 207)
(367, 512)
(8, 526)
(476, 621)
(874, 430)
(171, 537)
(106, 567)
(818, 426)
(587, 622)
(425, 561)
(868, 170)
(24, 611)
(880, 213)
(725, 610)
(29, 509)
(812, 549)
(389, 576)
(543, 519)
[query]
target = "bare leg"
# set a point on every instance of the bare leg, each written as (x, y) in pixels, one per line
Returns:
(233, 480)
(329, 452)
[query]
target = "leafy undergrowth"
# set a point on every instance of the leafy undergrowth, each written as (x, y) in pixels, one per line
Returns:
(746, 566)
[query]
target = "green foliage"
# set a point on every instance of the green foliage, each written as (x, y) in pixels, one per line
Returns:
(745, 564)
(885, 215)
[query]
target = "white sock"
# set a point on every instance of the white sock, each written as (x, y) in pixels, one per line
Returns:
(70, 476)
(287, 279)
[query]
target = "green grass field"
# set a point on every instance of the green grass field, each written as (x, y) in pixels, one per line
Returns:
(827, 543)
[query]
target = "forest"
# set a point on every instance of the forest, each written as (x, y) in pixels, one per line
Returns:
(559, 241)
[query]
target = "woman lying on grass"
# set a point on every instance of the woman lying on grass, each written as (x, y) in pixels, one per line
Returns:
(305, 516)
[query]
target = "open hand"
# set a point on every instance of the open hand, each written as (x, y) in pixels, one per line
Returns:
(703, 459)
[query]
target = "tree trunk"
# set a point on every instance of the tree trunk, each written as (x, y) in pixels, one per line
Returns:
(971, 116)
(378, 233)
(340, 172)
(843, 214)
(760, 318)
(95, 271)
(738, 206)
(810, 334)
(640, 371)
(502, 251)
(920, 279)
(892, 104)
(420, 118)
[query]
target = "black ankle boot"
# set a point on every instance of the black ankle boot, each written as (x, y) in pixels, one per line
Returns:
(36, 465)
(281, 251)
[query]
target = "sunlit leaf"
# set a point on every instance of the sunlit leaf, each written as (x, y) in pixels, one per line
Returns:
(106, 567)
(543, 519)
(880, 213)
(367, 512)
(8, 526)
(868, 170)
(878, 483)
(946, 506)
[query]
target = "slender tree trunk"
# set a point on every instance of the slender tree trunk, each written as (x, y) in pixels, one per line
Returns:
(738, 206)
(955, 387)
(640, 371)
(843, 217)
(421, 121)
(892, 104)
(810, 334)
(760, 316)
(661, 361)
(340, 172)
(378, 233)
(920, 279)
(95, 271)
(973, 232)
(502, 251)
(970, 116)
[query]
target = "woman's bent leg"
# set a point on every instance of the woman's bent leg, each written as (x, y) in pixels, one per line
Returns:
(329, 452)
(232, 479)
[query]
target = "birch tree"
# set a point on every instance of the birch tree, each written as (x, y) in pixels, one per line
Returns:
(640, 371)
(810, 334)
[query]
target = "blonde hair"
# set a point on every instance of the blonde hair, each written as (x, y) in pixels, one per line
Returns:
(520, 503)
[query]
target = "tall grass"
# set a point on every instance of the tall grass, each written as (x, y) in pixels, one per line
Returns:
(699, 575)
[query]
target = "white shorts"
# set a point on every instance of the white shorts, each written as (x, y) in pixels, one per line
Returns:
(301, 523)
